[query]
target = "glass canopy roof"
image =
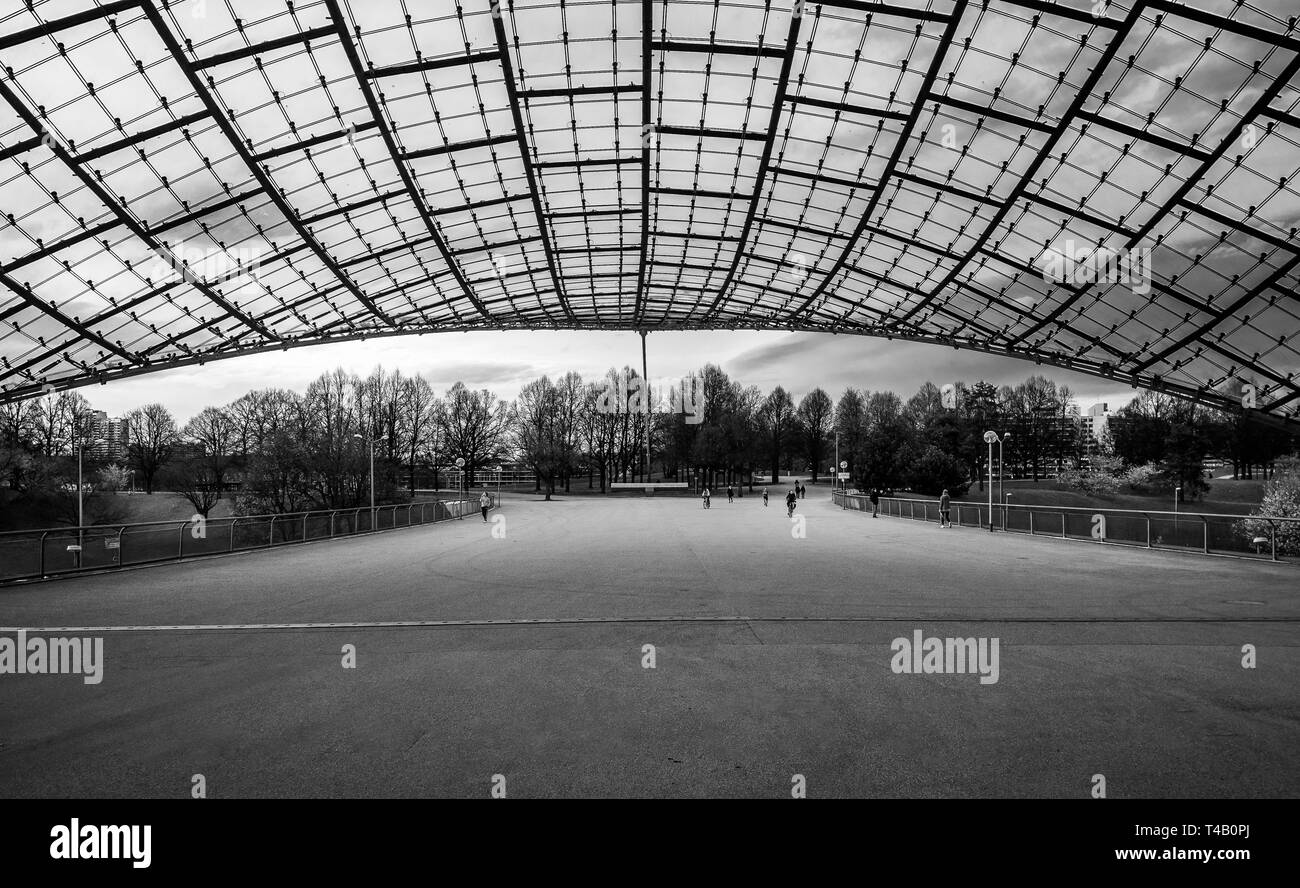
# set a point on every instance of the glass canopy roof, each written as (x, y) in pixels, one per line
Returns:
(1106, 187)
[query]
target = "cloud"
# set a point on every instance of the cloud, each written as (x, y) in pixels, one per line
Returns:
(505, 361)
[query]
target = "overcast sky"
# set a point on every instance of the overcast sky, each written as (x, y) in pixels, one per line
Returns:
(504, 361)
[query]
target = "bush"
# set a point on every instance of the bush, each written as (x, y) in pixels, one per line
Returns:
(1141, 478)
(1281, 500)
(934, 471)
(1098, 478)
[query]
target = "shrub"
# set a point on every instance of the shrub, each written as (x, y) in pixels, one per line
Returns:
(1141, 478)
(934, 471)
(1098, 478)
(1281, 500)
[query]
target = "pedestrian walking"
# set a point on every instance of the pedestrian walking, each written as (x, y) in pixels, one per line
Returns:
(790, 503)
(706, 497)
(483, 502)
(944, 510)
(875, 503)
(729, 493)
(764, 497)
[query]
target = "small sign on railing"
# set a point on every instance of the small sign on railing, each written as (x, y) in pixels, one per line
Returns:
(112, 544)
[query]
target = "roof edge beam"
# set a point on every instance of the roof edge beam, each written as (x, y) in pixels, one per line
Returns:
(18, 38)
(152, 132)
(1041, 126)
(710, 132)
(1144, 136)
(312, 142)
(925, 15)
(762, 51)
(841, 107)
(235, 55)
(487, 142)
(429, 65)
(561, 92)
(1263, 35)
(1078, 15)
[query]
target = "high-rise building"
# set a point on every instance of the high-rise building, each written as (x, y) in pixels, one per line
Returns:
(1095, 421)
(108, 437)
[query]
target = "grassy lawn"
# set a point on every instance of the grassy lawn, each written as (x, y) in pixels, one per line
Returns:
(1226, 497)
(164, 506)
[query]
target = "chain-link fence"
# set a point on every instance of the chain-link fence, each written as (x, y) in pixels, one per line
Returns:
(34, 554)
(1256, 536)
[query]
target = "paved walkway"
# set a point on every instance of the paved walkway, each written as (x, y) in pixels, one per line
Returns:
(772, 659)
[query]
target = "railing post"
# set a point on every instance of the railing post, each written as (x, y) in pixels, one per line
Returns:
(233, 522)
(1205, 536)
(1031, 522)
(271, 539)
(1148, 518)
(1062, 525)
(43, 536)
(1272, 536)
(120, 559)
(304, 526)
(332, 514)
(180, 541)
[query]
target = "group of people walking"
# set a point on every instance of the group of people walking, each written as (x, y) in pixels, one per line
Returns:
(798, 492)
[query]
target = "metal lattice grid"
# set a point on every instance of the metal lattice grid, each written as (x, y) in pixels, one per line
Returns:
(188, 181)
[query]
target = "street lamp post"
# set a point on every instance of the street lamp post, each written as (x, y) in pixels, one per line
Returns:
(81, 513)
(835, 476)
(1002, 479)
(372, 474)
(991, 437)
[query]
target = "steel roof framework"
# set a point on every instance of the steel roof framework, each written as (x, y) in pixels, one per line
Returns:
(188, 181)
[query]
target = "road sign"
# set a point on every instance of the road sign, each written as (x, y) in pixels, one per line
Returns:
(112, 544)
(460, 462)
(841, 476)
(844, 464)
(74, 548)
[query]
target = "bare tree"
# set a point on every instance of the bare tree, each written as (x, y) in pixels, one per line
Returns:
(778, 418)
(476, 422)
(153, 438)
(417, 429)
(815, 419)
(538, 420)
(214, 430)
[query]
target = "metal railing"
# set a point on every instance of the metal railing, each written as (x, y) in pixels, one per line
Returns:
(1254, 536)
(38, 554)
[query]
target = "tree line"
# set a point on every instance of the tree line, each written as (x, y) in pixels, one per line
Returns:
(274, 450)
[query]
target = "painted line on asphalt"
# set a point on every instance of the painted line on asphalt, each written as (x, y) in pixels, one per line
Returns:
(575, 621)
